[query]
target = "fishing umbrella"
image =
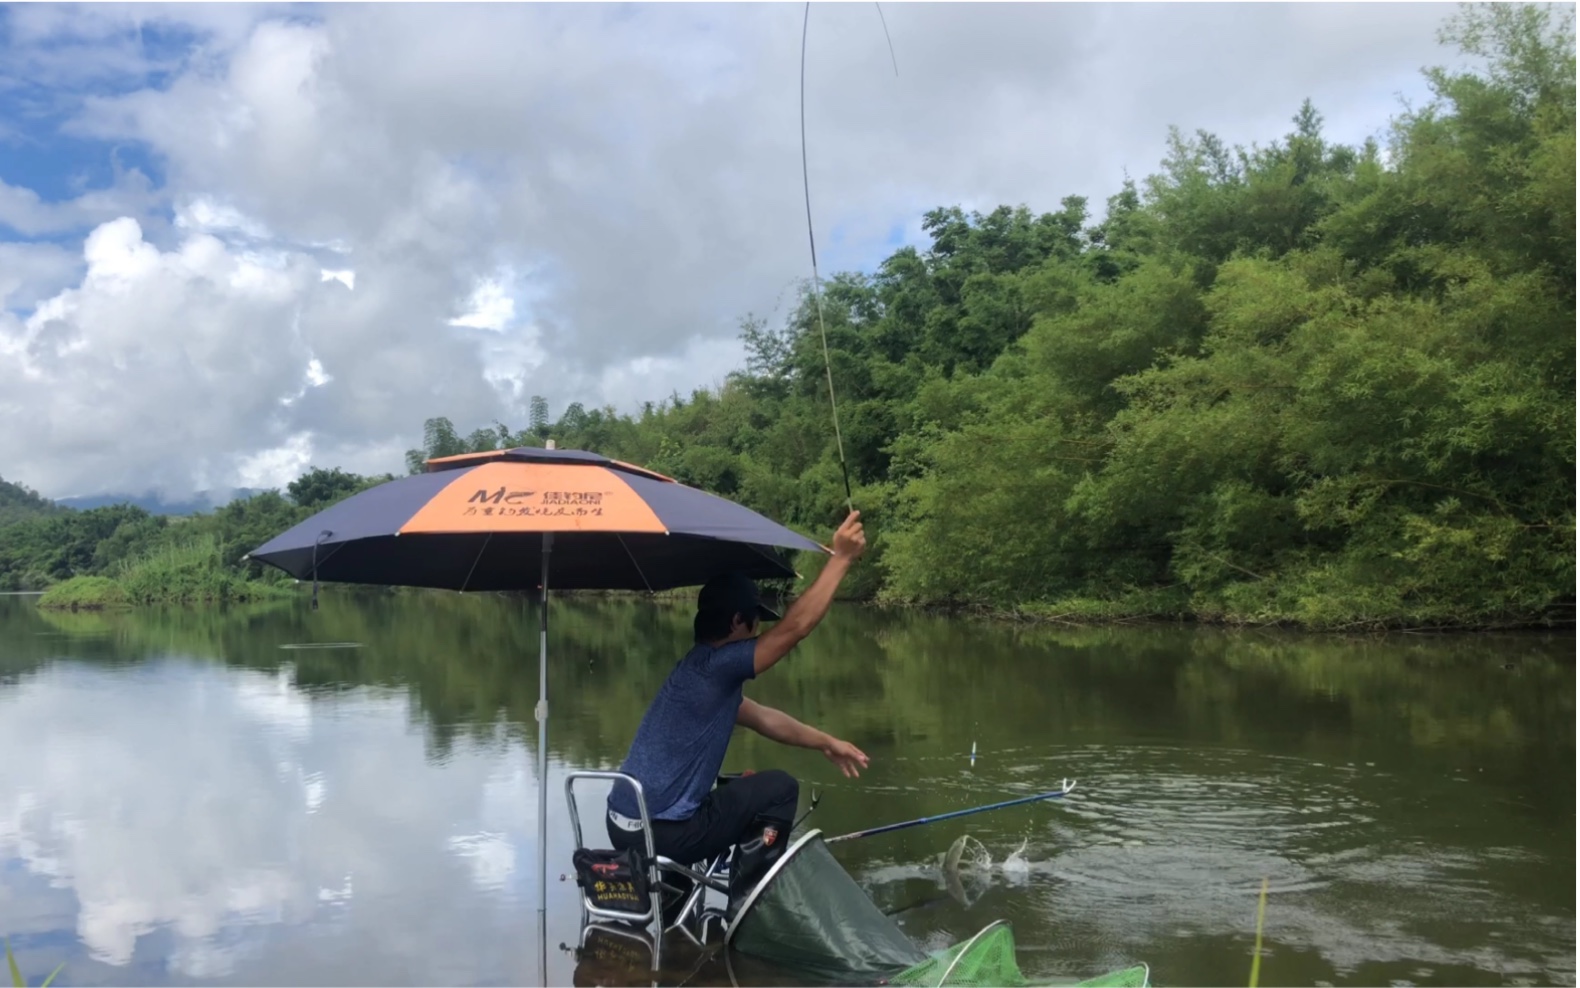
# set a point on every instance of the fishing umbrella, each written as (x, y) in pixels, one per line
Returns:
(490, 521)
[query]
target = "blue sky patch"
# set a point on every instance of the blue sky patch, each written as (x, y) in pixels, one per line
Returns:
(61, 168)
(44, 84)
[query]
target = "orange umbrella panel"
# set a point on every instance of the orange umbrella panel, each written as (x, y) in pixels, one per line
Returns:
(477, 522)
(505, 496)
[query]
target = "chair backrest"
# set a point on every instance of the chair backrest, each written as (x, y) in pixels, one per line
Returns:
(613, 778)
(649, 860)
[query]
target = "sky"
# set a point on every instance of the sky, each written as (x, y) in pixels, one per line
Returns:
(238, 241)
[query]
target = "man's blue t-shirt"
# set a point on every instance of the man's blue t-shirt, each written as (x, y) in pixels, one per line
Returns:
(680, 744)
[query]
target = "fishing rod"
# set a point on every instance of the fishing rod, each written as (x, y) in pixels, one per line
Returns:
(1067, 786)
(817, 292)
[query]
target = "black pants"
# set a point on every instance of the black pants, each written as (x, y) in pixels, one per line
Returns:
(731, 814)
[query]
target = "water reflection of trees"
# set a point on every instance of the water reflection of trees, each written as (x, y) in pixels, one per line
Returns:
(878, 677)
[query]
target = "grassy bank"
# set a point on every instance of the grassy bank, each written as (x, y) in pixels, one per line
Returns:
(85, 593)
(1307, 615)
(1293, 603)
(192, 572)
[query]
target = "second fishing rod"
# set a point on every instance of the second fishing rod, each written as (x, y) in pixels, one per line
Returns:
(1065, 788)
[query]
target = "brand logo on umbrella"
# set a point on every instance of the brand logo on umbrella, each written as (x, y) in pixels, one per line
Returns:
(573, 497)
(499, 496)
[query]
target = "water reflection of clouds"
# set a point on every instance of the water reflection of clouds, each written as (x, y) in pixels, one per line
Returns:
(154, 802)
(508, 798)
(491, 858)
(275, 703)
(214, 805)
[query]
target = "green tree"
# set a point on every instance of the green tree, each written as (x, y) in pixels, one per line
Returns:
(538, 418)
(319, 488)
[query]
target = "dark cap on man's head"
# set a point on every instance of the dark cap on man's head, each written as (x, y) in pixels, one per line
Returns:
(729, 594)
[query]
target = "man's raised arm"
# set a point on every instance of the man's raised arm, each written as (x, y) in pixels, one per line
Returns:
(809, 608)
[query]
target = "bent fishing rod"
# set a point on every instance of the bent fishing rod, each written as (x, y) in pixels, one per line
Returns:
(817, 288)
(1065, 789)
(817, 293)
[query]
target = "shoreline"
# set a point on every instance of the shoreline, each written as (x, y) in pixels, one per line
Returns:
(1033, 614)
(106, 595)
(1028, 614)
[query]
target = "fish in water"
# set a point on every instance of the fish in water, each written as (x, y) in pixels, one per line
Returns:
(967, 855)
(966, 870)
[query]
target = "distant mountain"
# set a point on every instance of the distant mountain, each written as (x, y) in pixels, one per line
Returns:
(18, 503)
(154, 503)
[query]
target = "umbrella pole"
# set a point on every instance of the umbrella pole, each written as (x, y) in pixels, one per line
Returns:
(542, 714)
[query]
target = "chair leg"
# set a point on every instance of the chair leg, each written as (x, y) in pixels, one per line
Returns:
(714, 875)
(698, 892)
(708, 916)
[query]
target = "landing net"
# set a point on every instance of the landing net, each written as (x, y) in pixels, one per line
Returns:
(987, 960)
(809, 916)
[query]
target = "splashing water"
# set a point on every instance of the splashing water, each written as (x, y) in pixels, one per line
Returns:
(1016, 863)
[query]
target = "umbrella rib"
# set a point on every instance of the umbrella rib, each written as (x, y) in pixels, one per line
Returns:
(766, 555)
(628, 552)
(486, 539)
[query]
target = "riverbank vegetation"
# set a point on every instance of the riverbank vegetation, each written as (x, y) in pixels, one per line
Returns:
(161, 558)
(188, 572)
(1302, 382)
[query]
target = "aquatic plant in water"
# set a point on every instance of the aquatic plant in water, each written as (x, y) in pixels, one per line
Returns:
(17, 981)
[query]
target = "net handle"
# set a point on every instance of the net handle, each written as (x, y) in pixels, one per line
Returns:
(944, 978)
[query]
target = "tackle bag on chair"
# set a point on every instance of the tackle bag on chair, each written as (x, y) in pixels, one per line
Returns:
(612, 879)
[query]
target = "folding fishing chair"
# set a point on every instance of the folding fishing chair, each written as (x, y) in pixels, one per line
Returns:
(662, 873)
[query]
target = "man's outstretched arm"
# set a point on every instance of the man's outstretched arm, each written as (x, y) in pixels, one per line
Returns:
(809, 608)
(776, 725)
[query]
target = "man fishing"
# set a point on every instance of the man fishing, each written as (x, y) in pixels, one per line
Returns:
(680, 745)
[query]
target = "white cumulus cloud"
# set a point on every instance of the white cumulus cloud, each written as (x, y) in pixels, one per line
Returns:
(453, 207)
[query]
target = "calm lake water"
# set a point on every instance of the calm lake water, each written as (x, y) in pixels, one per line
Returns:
(185, 799)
